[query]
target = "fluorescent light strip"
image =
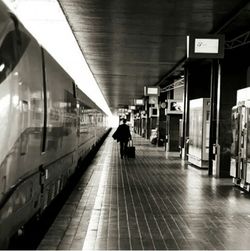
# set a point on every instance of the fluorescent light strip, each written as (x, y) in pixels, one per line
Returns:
(46, 22)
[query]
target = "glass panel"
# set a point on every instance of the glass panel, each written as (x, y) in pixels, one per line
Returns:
(235, 132)
(248, 134)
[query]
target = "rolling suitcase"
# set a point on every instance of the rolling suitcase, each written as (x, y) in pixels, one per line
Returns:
(130, 151)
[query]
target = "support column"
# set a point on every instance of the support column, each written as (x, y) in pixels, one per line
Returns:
(214, 113)
(185, 116)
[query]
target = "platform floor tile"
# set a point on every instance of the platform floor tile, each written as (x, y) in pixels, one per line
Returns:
(153, 202)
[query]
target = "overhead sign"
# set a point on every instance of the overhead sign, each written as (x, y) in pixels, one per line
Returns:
(151, 91)
(132, 107)
(153, 100)
(205, 46)
(139, 102)
(174, 106)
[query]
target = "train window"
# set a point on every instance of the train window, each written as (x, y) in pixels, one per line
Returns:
(7, 56)
(74, 89)
(70, 102)
(11, 50)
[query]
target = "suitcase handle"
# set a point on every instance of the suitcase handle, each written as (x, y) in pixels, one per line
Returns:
(131, 142)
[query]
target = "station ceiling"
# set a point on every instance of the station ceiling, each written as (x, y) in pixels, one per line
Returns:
(129, 44)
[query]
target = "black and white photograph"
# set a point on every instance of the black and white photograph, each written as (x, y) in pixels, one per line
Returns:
(124, 125)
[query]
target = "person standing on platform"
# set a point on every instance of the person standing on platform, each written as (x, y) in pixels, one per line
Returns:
(122, 135)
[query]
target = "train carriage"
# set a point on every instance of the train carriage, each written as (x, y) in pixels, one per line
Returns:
(47, 126)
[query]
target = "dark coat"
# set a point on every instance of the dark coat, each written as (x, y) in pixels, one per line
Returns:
(122, 133)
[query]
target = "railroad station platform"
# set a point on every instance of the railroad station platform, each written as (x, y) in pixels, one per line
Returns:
(152, 202)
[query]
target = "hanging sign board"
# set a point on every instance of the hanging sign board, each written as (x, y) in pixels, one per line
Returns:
(132, 107)
(174, 106)
(139, 102)
(153, 100)
(151, 91)
(205, 46)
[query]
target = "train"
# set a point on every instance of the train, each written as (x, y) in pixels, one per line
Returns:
(47, 124)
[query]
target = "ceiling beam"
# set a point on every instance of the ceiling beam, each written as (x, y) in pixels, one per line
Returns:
(227, 21)
(241, 40)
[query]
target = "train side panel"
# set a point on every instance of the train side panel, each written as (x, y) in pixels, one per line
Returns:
(91, 127)
(86, 130)
(47, 127)
(22, 113)
(60, 132)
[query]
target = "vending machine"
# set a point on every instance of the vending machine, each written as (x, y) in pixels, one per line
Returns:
(240, 147)
(173, 115)
(199, 121)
